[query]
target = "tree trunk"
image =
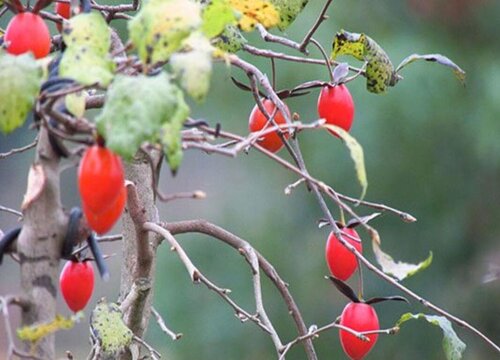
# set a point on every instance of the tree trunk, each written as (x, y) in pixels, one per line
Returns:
(40, 241)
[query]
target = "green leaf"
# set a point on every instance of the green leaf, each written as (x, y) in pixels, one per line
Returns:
(380, 72)
(231, 40)
(399, 270)
(452, 345)
(160, 26)
(357, 155)
(216, 16)
(288, 10)
(86, 59)
(75, 103)
(108, 327)
(89, 30)
(130, 118)
(20, 81)
(37, 332)
(86, 67)
(194, 67)
(440, 59)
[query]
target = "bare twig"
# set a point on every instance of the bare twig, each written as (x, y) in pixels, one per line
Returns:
(19, 150)
(267, 36)
(164, 327)
(321, 17)
(198, 194)
(204, 227)
(11, 211)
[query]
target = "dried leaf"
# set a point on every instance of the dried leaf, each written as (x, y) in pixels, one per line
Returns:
(440, 59)
(399, 270)
(36, 183)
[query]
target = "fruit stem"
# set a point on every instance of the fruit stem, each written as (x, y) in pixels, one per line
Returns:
(325, 56)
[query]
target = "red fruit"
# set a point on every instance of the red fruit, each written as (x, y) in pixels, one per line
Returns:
(359, 317)
(64, 10)
(100, 179)
(103, 222)
(77, 283)
(341, 261)
(336, 106)
(258, 121)
(27, 32)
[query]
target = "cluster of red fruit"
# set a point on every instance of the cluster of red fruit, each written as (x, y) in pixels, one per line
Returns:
(335, 105)
(27, 32)
(102, 189)
(357, 316)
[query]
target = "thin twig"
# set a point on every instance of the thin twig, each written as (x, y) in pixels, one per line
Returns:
(321, 17)
(19, 150)
(11, 211)
(164, 327)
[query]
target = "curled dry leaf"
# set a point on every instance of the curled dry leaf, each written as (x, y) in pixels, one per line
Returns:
(36, 183)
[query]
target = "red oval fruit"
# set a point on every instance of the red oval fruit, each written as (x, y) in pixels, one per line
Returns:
(340, 260)
(64, 10)
(103, 222)
(27, 32)
(258, 121)
(77, 284)
(359, 317)
(336, 106)
(100, 179)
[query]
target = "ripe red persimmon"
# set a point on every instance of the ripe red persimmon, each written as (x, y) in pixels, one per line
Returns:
(77, 284)
(336, 106)
(64, 10)
(341, 261)
(359, 317)
(257, 121)
(27, 32)
(103, 222)
(100, 179)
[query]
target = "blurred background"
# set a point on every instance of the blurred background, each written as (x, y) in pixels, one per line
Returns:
(431, 149)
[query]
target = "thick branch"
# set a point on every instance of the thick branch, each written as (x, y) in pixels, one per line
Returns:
(204, 227)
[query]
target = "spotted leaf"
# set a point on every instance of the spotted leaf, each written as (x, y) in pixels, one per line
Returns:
(159, 28)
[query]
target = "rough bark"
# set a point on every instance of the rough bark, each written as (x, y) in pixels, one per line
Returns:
(40, 241)
(139, 246)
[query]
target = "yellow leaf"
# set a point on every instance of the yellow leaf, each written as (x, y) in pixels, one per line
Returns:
(255, 11)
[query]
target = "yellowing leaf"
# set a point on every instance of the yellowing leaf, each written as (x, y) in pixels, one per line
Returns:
(452, 345)
(399, 270)
(159, 28)
(380, 73)
(194, 66)
(20, 81)
(216, 16)
(35, 333)
(230, 40)
(288, 10)
(86, 58)
(75, 103)
(254, 12)
(357, 155)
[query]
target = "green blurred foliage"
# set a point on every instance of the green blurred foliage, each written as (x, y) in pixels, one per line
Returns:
(431, 149)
